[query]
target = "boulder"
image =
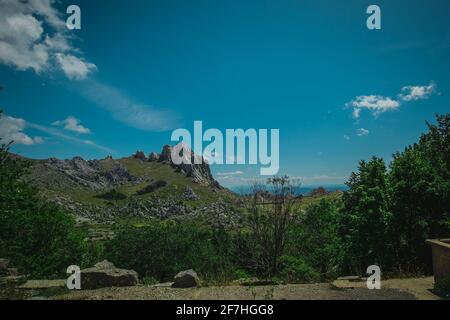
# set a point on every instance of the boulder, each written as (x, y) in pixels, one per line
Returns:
(186, 279)
(43, 284)
(189, 194)
(105, 274)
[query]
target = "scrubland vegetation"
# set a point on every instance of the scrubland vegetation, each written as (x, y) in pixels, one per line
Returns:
(384, 219)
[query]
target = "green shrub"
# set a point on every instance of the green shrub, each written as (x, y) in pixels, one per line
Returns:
(36, 236)
(295, 270)
(241, 274)
(163, 248)
(114, 194)
(315, 238)
(152, 187)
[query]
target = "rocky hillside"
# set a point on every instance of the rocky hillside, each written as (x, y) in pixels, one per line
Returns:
(138, 186)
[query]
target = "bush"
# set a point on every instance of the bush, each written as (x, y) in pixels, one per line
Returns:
(296, 270)
(163, 248)
(152, 187)
(114, 194)
(40, 241)
(36, 236)
(315, 238)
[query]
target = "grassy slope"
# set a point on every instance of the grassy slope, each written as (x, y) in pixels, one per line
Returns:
(53, 183)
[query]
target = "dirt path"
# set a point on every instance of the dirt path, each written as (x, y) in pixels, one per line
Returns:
(319, 291)
(419, 287)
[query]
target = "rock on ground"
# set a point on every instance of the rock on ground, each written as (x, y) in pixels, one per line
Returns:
(186, 279)
(43, 284)
(105, 274)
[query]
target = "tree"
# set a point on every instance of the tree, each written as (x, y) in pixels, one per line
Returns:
(366, 216)
(36, 236)
(316, 239)
(420, 179)
(270, 221)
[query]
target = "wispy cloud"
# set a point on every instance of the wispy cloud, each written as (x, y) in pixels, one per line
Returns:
(125, 110)
(11, 131)
(57, 133)
(72, 124)
(33, 36)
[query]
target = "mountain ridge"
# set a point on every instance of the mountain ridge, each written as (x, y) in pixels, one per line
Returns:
(138, 185)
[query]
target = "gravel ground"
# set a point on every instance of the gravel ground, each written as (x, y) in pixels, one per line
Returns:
(319, 291)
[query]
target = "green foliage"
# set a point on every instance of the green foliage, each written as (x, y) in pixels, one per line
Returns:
(270, 223)
(315, 238)
(388, 214)
(240, 274)
(366, 215)
(296, 270)
(420, 179)
(114, 194)
(152, 187)
(163, 248)
(36, 236)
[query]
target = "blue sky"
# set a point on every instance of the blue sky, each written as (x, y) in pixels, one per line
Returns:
(137, 70)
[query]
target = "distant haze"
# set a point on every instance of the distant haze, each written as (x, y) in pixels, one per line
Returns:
(305, 190)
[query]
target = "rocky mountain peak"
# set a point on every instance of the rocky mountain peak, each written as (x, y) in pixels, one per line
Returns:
(200, 173)
(90, 174)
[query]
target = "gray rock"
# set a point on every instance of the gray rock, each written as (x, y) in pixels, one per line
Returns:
(43, 284)
(105, 274)
(153, 156)
(163, 285)
(186, 279)
(90, 174)
(189, 194)
(198, 168)
(104, 265)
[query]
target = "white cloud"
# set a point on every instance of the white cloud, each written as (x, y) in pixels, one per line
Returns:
(38, 140)
(73, 67)
(11, 131)
(25, 44)
(362, 132)
(72, 124)
(376, 104)
(379, 104)
(346, 137)
(412, 93)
